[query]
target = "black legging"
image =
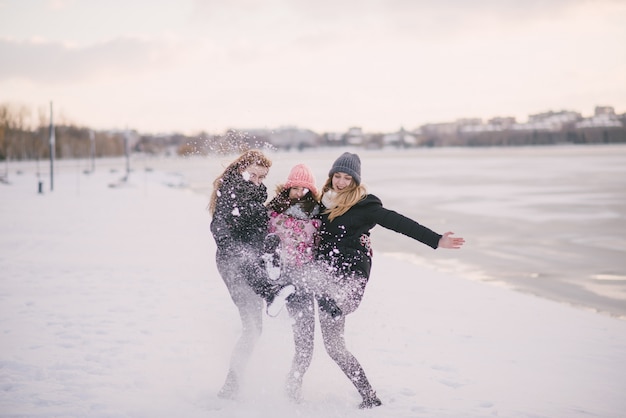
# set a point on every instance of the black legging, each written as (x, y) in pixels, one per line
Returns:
(301, 308)
(333, 333)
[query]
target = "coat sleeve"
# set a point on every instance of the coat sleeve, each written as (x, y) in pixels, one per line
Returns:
(399, 223)
(221, 224)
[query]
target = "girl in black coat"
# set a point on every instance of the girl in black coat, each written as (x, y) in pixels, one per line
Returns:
(348, 215)
(239, 227)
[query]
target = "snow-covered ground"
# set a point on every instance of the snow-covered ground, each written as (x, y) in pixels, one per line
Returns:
(111, 306)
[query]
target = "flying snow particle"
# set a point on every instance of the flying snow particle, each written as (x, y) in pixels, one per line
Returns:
(235, 211)
(246, 176)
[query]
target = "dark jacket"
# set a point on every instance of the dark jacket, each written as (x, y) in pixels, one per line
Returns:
(345, 244)
(240, 218)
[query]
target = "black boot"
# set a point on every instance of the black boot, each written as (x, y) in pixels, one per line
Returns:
(370, 401)
(329, 306)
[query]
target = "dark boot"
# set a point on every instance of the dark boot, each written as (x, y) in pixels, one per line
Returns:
(370, 401)
(329, 306)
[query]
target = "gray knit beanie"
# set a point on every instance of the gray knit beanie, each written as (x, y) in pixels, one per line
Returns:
(349, 164)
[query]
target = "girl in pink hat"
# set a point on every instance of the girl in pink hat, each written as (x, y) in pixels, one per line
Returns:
(292, 216)
(294, 222)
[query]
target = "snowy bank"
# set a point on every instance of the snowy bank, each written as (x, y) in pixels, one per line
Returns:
(111, 306)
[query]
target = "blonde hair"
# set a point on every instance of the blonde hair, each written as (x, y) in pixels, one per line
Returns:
(245, 160)
(344, 200)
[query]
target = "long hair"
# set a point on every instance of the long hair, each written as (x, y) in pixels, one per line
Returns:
(344, 200)
(281, 201)
(245, 160)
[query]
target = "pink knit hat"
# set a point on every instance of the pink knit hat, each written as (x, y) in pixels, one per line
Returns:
(302, 176)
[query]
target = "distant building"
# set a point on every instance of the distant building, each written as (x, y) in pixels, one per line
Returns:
(602, 128)
(402, 138)
(355, 136)
(604, 110)
(440, 134)
(551, 121)
(469, 122)
(604, 117)
(333, 139)
(504, 122)
(292, 137)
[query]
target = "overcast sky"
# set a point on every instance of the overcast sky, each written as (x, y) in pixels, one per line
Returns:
(326, 65)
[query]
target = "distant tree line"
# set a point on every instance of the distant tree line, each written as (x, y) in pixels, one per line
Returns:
(231, 142)
(23, 139)
(25, 135)
(511, 137)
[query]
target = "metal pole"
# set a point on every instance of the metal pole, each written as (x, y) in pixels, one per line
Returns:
(127, 153)
(39, 182)
(92, 139)
(52, 146)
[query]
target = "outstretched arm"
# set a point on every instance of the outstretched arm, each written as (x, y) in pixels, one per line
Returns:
(446, 241)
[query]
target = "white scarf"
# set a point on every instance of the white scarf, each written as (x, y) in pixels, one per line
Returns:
(328, 199)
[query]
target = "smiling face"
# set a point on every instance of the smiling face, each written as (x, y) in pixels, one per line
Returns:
(255, 173)
(297, 192)
(340, 181)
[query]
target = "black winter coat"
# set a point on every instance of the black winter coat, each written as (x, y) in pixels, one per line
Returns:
(345, 244)
(240, 219)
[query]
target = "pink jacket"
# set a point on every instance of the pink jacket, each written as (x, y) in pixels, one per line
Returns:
(298, 233)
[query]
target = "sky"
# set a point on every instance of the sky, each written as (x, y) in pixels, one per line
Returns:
(204, 65)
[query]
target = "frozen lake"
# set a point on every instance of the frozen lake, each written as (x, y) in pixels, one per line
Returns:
(545, 220)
